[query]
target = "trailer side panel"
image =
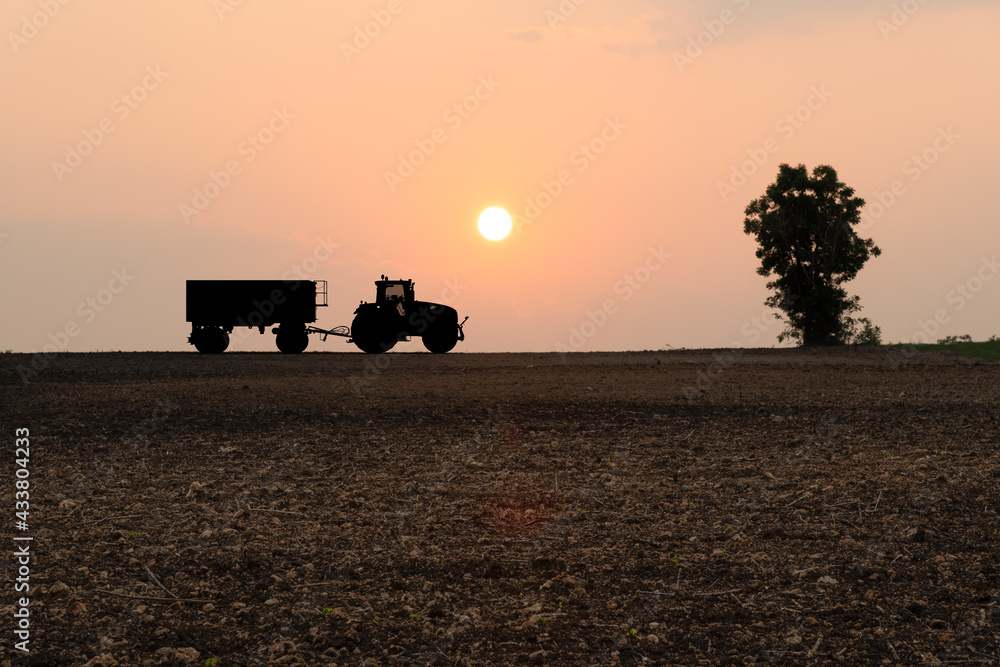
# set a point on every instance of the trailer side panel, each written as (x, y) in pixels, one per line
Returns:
(241, 303)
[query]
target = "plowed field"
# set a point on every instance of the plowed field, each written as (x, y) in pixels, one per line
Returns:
(687, 507)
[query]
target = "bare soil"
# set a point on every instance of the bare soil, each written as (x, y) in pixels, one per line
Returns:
(771, 506)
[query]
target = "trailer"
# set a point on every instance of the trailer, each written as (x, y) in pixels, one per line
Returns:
(216, 307)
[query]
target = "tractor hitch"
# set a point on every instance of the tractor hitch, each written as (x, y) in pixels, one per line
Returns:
(342, 331)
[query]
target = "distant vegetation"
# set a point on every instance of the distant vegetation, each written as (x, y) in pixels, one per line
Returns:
(962, 346)
(863, 332)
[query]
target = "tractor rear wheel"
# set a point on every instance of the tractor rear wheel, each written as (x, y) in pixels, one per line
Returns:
(374, 346)
(369, 336)
(210, 340)
(291, 341)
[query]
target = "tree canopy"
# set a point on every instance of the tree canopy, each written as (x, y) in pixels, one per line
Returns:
(804, 226)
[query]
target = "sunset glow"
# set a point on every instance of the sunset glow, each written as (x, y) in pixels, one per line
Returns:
(194, 139)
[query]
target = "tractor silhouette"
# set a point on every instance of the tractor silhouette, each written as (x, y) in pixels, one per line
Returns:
(396, 315)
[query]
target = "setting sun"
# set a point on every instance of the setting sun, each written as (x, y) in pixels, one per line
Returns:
(495, 223)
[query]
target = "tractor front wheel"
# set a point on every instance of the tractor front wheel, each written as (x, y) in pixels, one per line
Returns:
(440, 340)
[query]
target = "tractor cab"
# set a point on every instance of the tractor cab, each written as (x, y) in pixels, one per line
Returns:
(396, 294)
(392, 292)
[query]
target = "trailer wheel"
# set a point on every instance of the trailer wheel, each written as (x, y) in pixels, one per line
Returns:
(291, 341)
(210, 340)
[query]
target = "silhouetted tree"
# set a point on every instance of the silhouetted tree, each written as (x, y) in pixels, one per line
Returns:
(805, 228)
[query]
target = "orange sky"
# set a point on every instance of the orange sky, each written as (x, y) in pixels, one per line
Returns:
(309, 119)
